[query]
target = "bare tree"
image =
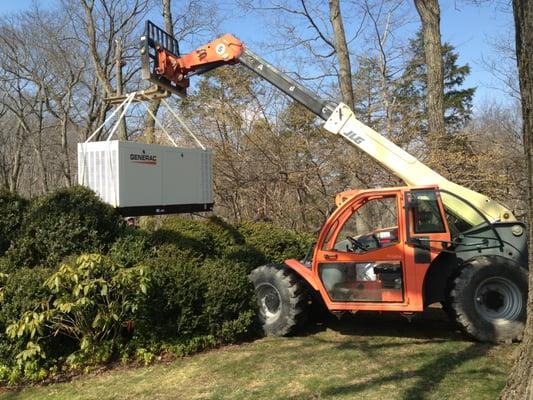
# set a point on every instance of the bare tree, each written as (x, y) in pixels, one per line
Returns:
(119, 63)
(429, 12)
(51, 94)
(108, 23)
(343, 55)
(11, 157)
(380, 65)
(502, 65)
(520, 381)
(154, 106)
(39, 94)
(496, 164)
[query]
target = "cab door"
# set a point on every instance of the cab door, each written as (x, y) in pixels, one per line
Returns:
(427, 235)
(360, 259)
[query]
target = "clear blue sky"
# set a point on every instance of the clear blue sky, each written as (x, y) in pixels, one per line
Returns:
(8, 6)
(467, 27)
(470, 29)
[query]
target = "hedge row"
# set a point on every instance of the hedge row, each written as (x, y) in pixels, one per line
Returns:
(67, 221)
(12, 211)
(78, 287)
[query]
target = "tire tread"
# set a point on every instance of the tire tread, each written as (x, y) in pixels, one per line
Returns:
(454, 304)
(297, 313)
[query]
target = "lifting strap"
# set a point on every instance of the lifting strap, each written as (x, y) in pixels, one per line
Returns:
(142, 98)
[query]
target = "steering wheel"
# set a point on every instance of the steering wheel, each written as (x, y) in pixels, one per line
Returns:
(356, 244)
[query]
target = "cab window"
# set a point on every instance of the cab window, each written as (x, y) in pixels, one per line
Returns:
(373, 225)
(469, 217)
(427, 216)
(331, 231)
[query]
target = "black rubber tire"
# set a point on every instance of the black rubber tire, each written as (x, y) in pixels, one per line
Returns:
(447, 308)
(461, 303)
(293, 299)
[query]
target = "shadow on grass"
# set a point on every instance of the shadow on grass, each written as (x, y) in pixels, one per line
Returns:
(426, 378)
(430, 327)
(431, 324)
(11, 395)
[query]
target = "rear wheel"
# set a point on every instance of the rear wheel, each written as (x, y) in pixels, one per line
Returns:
(281, 297)
(488, 299)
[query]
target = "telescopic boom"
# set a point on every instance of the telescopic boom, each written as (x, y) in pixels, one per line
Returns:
(163, 65)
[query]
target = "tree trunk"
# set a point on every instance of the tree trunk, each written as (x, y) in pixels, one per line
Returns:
(520, 381)
(343, 55)
(17, 161)
(93, 47)
(154, 106)
(429, 12)
(122, 132)
(67, 173)
(38, 148)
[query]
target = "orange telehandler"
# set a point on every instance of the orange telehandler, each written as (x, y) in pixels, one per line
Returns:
(396, 249)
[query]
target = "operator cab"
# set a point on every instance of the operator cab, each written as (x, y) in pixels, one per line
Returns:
(363, 243)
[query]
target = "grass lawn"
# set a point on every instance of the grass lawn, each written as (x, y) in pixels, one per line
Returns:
(363, 357)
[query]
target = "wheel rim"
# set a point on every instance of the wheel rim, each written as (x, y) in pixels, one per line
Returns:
(269, 300)
(498, 299)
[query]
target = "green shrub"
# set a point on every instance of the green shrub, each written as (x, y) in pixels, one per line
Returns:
(67, 221)
(185, 234)
(193, 293)
(171, 306)
(21, 291)
(275, 243)
(149, 223)
(93, 301)
(186, 301)
(12, 211)
(132, 247)
(229, 302)
(244, 254)
(5, 265)
(223, 234)
(250, 244)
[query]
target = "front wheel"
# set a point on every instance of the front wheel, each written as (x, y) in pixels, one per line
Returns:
(281, 297)
(488, 299)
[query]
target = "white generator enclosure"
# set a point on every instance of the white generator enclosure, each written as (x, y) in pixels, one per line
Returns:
(147, 179)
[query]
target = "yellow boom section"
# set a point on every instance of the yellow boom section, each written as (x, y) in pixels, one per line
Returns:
(406, 167)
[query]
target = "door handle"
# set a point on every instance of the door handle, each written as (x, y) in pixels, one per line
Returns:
(330, 256)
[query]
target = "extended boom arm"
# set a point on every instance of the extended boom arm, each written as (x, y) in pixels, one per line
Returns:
(167, 69)
(163, 65)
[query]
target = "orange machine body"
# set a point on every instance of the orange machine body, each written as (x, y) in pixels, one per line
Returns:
(402, 252)
(225, 49)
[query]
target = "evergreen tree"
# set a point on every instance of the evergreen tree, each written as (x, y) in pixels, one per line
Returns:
(411, 93)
